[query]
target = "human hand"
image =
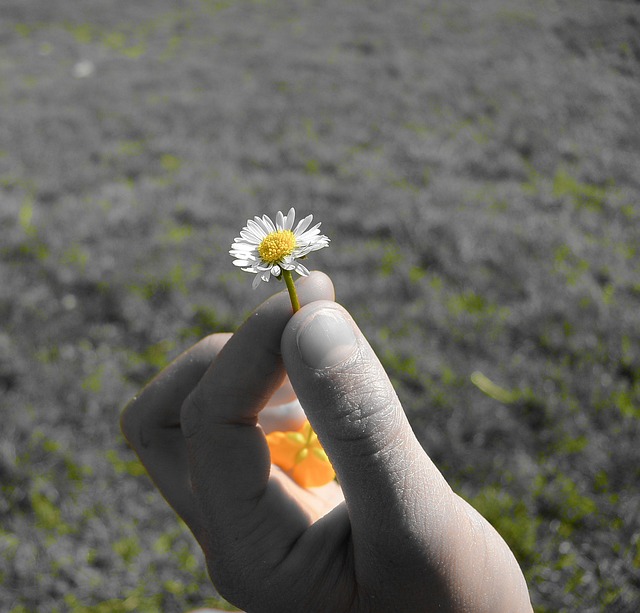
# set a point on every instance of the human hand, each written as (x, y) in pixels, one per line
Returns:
(400, 541)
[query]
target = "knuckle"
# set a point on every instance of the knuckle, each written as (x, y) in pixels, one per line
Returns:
(191, 413)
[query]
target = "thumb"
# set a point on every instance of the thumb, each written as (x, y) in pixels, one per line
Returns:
(384, 472)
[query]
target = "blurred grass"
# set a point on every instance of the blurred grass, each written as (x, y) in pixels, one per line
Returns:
(476, 167)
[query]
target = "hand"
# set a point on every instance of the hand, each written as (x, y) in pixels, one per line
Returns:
(400, 541)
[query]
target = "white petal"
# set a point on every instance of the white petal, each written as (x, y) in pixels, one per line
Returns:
(280, 221)
(288, 262)
(244, 257)
(303, 225)
(301, 270)
(242, 263)
(240, 244)
(256, 281)
(309, 244)
(310, 233)
(276, 271)
(319, 244)
(250, 236)
(290, 217)
(266, 220)
(257, 228)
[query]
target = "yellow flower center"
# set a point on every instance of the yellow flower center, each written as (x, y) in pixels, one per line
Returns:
(276, 246)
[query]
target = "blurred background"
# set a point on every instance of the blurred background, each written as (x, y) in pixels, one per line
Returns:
(477, 167)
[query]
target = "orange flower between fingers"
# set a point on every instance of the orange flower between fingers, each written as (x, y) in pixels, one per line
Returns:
(300, 455)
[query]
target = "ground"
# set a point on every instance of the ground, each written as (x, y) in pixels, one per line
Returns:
(477, 167)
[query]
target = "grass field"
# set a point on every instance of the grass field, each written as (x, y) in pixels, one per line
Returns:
(477, 167)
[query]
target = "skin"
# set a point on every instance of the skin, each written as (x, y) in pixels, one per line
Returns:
(394, 537)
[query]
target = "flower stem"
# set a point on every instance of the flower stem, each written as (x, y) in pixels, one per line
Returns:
(288, 279)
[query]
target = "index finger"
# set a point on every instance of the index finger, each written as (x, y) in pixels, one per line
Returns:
(229, 460)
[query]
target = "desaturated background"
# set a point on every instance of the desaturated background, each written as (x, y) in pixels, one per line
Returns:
(477, 167)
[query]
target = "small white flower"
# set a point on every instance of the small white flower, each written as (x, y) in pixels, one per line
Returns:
(266, 248)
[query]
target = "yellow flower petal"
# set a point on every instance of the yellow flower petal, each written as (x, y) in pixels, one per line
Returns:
(283, 449)
(313, 471)
(301, 456)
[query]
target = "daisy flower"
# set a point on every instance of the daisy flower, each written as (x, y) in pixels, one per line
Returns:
(269, 249)
(299, 454)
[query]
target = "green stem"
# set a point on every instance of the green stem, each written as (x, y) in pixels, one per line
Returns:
(288, 279)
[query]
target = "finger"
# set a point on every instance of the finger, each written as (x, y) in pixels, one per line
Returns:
(151, 424)
(282, 415)
(385, 475)
(158, 404)
(227, 452)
